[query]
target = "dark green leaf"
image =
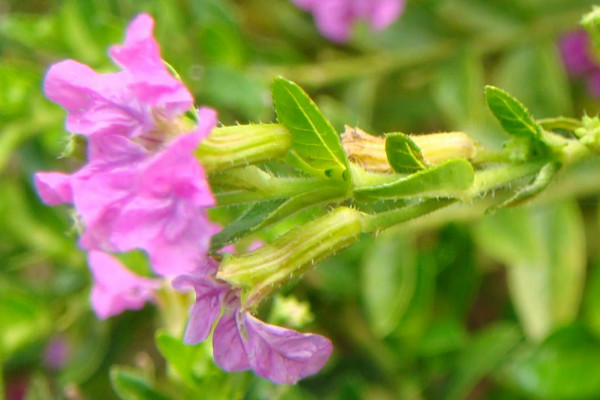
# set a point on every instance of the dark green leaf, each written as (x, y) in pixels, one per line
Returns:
(481, 356)
(316, 146)
(265, 213)
(449, 179)
(403, 154)
(132, 385)
(245, 223)
(565, 366)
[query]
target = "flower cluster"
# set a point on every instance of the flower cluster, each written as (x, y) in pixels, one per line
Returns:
(335, 18)
(240, 341)
(143, 188)
(580, 61)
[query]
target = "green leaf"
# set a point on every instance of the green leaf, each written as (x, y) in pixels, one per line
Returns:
(564, 366)
(449, 179)
(512, 114)
(543, 249)
(188, 361)
(481, 356)
(316, 147)
(245, 223)
(389, 281)
(132, 385)
(403, 154)
(541, 182)
(265, 213)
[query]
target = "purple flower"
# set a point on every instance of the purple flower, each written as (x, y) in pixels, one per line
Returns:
(578, 56)
(115, 288)
(335, 18)
(240, 341)
(142, 187)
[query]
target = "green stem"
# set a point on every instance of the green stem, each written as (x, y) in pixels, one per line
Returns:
(380, 221)
(244, 185)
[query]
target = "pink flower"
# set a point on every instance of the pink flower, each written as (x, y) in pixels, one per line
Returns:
(578, 57)
(142, 102)
(115, 288)
(142, 187)
(335, 18)
(241, 341)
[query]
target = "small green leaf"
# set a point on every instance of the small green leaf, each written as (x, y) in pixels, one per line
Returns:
(541, 181)
(481, 356)
(512, 114)
(268, 212)
(449, 179)
(132, 385)
(316, 147)
(403, 154)
(245, 223)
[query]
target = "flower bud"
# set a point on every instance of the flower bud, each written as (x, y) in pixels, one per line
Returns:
(369, 151)
(234, 146)
(262, 271)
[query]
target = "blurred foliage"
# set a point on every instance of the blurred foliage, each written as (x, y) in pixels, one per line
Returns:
(490, 309)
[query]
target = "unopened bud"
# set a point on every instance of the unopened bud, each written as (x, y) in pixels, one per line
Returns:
(369, 151)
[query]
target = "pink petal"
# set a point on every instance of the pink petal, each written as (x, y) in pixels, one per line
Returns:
(116, 289)
(228, 344)
(206, 309)
(96, 103)
(54, 188)
(384, 12)
(284, 355)
(153, 84)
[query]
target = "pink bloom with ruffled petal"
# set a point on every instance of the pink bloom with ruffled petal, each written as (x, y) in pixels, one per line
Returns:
(142, 187)
(115, 288)
(240, 341)
(140, 102)
(335, 18)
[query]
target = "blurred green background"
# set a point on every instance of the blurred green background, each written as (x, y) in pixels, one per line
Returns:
(502, 307)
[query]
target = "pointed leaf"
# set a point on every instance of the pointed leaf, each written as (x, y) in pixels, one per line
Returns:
(403, 154)
(316, 147)
(449, 179)
(512, 114)
(481, 356)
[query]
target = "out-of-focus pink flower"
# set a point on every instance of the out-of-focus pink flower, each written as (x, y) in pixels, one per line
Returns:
(142, 187)
(578, 57)
(335, 18)
(57, 353)
(115, 288)
(240, 341)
